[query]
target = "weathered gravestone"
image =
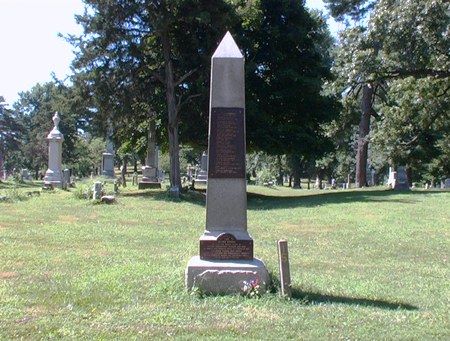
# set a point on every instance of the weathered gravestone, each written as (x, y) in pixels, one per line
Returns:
(202, 176)
(447, 183)
(25, 174)
(226, 260)
(97, 190)
(53, 175)
(401, 183)
(66, 178)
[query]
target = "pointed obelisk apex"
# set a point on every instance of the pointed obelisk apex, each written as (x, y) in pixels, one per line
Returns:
(227, 48)
(226, 258)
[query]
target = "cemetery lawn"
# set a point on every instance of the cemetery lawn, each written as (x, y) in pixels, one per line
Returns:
(365, 265)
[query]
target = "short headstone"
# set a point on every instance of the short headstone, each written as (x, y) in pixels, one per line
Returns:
(97, 190)
(66, 178)
(201, 178)
(401, 183)
(135, 179)
(447, 183)
(25, 174)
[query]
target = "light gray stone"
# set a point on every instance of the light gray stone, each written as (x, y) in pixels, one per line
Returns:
(401, 182)
(53, 175)
(201, 178)
(225, 277)
(226, 258)
(97, 190)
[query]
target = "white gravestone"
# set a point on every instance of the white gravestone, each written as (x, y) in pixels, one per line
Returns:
(97, 190)
(53, 175)
(202, 175)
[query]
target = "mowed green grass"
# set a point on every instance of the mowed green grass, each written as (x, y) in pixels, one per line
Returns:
(365, 265)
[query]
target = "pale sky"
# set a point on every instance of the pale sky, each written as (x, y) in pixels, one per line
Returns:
(30, 49)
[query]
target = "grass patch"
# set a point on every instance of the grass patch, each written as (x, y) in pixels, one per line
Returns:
(365, 264)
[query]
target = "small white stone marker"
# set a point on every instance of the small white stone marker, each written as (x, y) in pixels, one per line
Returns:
(285, 274)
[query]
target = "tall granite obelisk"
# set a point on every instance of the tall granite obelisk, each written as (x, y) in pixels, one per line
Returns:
(226, 249)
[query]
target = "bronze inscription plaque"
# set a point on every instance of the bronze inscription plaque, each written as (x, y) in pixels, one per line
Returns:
(226, 247)
(227, 143)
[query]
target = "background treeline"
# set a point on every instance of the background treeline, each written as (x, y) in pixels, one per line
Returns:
(376, 96)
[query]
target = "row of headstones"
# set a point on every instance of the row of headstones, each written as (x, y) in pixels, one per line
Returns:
(397, 180)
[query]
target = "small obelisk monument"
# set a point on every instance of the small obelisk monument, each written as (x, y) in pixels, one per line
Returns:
(53, 175)
(226, 258)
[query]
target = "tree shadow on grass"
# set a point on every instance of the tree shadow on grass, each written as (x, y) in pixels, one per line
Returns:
(309, 298)
(20, 184)
(319, 198)
(309, 199)
(192, 196)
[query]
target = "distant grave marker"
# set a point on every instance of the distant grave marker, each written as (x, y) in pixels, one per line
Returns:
(401, 182)
(285, 273)
(53, 176)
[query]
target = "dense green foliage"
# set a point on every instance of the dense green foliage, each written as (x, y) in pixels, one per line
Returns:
(142, 64)
(392, 64)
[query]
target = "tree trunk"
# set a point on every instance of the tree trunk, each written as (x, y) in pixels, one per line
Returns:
(174, 148)
(151, 144)
(364, 129)
(123, 171)
(280, 179)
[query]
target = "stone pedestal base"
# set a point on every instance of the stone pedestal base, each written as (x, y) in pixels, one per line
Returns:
(146, 185)
(53, 178)
(149, 179)
(225, 277)
(201, 179)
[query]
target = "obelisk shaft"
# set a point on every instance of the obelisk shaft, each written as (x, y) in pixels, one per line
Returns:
(226, 200)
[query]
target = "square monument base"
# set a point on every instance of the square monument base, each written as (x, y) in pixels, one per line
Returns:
(225, 277)
(146, 185)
